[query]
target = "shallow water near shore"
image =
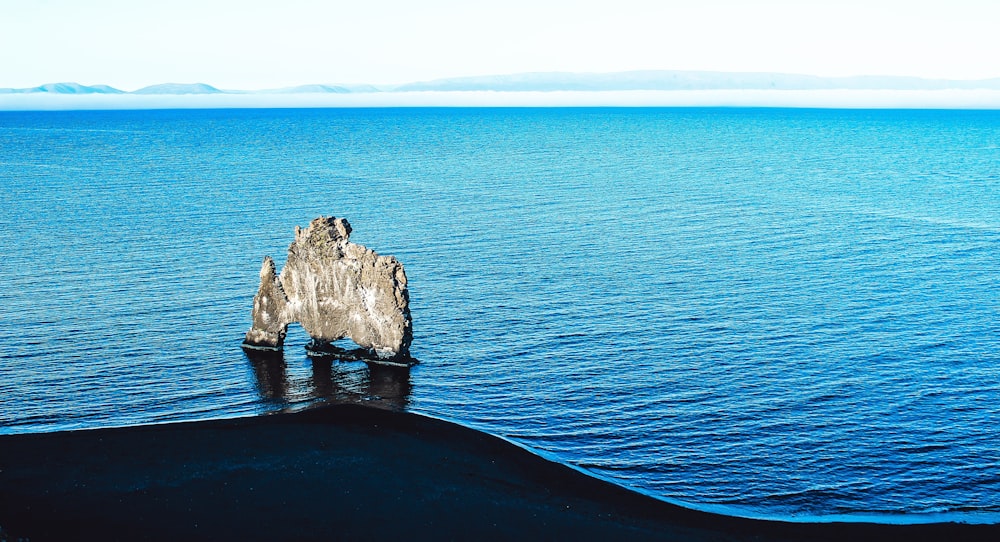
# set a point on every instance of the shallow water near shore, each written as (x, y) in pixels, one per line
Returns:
(789, 313)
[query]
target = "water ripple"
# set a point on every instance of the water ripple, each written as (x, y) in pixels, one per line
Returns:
(789, 312)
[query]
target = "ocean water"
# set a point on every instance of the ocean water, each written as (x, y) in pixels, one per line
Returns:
(790, 313)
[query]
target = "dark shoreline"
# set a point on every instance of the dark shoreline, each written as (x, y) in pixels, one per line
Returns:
(346, 472)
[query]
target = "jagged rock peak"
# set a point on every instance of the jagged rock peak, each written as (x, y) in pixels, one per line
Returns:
(324, 229)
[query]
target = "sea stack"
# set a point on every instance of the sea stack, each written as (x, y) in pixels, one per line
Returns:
(335, 289)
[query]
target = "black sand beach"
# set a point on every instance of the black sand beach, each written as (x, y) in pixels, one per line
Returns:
(346, 472)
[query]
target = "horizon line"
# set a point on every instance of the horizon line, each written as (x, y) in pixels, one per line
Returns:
(953, 99)
(557, 80)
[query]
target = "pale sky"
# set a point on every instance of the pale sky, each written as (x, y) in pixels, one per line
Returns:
(250, 44)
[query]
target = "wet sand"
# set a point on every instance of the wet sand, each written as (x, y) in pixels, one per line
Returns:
(346, 472)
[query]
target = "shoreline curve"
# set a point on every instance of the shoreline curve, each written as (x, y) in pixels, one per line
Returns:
(351, 472)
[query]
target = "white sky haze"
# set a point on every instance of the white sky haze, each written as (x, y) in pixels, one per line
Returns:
(251, 44)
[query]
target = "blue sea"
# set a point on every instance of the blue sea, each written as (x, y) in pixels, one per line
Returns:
(773, 312)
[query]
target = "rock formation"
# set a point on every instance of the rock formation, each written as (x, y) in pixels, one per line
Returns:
(335, 289)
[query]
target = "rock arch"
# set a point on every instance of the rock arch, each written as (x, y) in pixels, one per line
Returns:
(335, 289)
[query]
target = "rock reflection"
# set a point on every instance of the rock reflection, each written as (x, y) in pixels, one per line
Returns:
(322, 379)
(332, 381)
(269, 370)
(387, 381)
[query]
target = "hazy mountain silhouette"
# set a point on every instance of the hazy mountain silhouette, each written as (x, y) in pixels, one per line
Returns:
(568, 81)
(178, 88)
(686, 80)
(64, 88)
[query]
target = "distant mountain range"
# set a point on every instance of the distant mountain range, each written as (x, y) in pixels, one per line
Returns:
(182, 89)
(174, 88)
(689, 80)
(64, 88)
(565, 81)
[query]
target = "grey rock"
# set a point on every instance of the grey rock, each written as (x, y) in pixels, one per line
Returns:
(335, 289)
